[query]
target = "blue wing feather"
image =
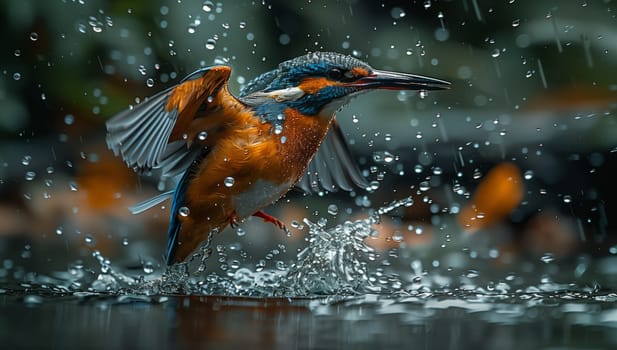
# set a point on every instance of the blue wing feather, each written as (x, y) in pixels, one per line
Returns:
(178, 202)
(174, 222)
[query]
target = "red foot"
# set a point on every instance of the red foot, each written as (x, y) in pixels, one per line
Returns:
(270, 218)
(233, 219)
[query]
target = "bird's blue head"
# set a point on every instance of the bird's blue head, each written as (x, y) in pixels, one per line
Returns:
(320, 83)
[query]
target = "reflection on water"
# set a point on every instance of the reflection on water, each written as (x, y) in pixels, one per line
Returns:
(563, 320)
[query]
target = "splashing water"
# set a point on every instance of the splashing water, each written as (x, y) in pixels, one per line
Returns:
(335, 261)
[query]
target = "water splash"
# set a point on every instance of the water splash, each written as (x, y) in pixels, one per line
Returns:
(336, 261)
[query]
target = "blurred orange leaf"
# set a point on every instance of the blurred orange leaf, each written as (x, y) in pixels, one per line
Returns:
(498, 194)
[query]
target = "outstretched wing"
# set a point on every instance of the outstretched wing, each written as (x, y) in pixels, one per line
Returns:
(333, 167)
(162, 132)
(153, 134)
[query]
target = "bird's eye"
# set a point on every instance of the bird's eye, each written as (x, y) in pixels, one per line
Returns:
(335, 74)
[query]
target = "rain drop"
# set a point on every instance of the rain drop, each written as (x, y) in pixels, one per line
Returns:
(278, 129)
(16, 76)
(89, 240)
(207, 6)
(424, 186)
(73, 186)
(332, 209)
(30, 175)
(25, 161)
(210, 44)
(516, 23)
(69, 119)
(374, 185)
(150, 82)
(202, 135)
(472, 274)
(148, 267)
(229, 181)
(34, 36)
(547, 258)
(184, 211)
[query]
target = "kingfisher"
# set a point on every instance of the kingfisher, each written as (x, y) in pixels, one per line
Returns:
(231, 156)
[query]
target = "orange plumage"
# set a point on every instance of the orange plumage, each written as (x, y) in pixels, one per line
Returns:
(232, 156)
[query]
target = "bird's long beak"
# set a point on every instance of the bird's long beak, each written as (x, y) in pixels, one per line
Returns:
(380, 79)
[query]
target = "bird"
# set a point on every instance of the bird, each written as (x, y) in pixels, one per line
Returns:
(231, 156)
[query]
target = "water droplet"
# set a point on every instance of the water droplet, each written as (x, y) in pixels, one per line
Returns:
(148, 267)
(547, 258)
(59, 230)
(567, 199)
(528, 175)
(184, 211)
(296, 224)
(495, 53)
(516, 23)
(25, 161)
(202, 135)
(383, 157)
(422, 93)
(125, 241)
(89, 240)
(424, 186)
(30, 175)
(207, 6)
(34, 36)
(397, 13)
(69, 119)
(472, 274)
(229, 181)
(242, 25)
(332, 209)
(16, 76)
(210, 44)
(73, 186)
(240, 232)
(33, 300)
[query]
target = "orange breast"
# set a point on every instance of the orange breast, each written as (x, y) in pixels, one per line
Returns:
(249, 167)
(248, 152)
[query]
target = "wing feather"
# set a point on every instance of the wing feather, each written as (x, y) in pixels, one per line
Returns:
(142, 135)
(333, 167)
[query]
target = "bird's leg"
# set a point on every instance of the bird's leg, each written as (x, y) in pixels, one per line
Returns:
(269, 218)
(233, 219)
